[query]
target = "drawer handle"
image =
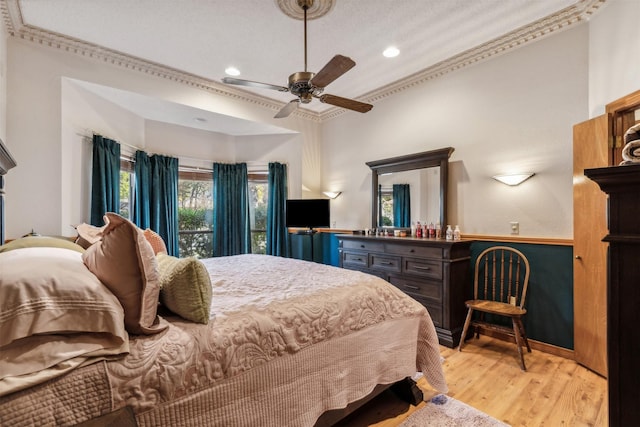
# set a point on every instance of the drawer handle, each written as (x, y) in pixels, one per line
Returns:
(386, 263)
(357, 259)
(362, 246)
(417, 267)
(415, 288)
(412, 250)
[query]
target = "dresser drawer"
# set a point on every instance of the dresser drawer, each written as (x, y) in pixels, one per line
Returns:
(425, 288)
(384, 262)
(363, 245)
(435, 310)
(354, 259)
(414, 250)
(422, 267)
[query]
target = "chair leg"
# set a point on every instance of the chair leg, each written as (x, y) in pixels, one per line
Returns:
(523, 334)
(465, 328)
(516, 331)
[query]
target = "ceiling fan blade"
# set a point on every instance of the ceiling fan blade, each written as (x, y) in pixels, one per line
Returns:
(350, 104)
(240, 82)
(287, 109)
(337, 66)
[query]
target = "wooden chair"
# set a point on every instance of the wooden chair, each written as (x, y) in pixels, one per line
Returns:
(500, 286)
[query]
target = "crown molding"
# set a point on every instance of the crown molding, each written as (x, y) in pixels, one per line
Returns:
(552, 24)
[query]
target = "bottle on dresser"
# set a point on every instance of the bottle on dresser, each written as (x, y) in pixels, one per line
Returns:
(449, 233)
(456, 233)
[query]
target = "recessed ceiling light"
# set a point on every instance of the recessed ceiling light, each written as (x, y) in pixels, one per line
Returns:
(232, 71)
(391, 52)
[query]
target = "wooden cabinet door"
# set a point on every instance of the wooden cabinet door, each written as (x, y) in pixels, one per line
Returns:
(590, 150)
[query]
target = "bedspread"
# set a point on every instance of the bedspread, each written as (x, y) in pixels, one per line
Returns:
(287, 340)
(265, 308)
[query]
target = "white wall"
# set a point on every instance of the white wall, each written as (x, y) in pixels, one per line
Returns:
(3, 80)
(511, 113)
(614, 53)
(50, 117)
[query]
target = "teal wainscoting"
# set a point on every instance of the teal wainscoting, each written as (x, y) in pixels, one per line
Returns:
(549, 304)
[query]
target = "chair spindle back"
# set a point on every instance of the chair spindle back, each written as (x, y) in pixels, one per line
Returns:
(502, 275)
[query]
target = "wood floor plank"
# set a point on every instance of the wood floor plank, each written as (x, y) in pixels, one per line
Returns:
(553, 391)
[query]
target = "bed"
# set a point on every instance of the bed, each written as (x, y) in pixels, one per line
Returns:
(248, 340)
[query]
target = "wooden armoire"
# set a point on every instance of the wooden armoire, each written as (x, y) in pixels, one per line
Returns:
(597, 143)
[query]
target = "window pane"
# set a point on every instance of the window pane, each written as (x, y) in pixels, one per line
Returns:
(126, 203)
(387, 208)
(195, 217)
(258, 195)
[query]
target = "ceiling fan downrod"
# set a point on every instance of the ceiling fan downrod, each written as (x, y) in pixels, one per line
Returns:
(305, 5)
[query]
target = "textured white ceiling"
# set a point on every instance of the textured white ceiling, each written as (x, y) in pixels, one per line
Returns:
(203, 37)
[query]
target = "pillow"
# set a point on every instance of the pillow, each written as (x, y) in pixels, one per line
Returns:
(40, 242)
(53, 309)
(185, 287)
(124, 261)
(88, 234)
(156, 241)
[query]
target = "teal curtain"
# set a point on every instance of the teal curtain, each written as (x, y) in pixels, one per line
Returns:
(156, 198)
(141, 204)
(277, 234)
(231, 220)
(105, 179)
(401, 205)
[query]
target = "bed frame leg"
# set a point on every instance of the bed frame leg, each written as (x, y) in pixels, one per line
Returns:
(408, 391)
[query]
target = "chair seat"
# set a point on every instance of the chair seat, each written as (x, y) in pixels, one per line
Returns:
(495, 307)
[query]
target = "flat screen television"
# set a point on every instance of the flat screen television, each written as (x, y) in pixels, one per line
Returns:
(307, 213)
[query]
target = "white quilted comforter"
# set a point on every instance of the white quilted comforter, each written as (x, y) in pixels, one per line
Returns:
(287, 340)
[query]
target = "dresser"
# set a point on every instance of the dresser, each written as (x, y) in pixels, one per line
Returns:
(434, 272)
(622, 184)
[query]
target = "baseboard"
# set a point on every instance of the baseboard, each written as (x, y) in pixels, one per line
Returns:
(535, 345)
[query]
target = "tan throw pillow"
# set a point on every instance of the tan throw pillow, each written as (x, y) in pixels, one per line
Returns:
(88, 234)
(156, 242)
(40, 242)
(124, 261)
(185, 287)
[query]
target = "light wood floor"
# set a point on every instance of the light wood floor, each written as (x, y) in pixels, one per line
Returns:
(486, 375)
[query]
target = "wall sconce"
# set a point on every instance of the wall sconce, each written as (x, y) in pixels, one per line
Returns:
(332, 194)
(513, 179)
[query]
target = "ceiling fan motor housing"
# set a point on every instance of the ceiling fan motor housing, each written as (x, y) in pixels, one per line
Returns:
(300, 85)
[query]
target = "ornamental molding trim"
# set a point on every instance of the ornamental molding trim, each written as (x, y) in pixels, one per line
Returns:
(552, 24)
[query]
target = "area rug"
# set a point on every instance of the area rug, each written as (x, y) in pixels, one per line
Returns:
(445, 411)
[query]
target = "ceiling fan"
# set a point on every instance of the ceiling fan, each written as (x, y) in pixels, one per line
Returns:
(306, 85)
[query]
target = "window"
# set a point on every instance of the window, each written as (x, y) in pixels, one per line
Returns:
(386, 200)
(195, 214)
(258, 199)
(127, 183)
(195, 208)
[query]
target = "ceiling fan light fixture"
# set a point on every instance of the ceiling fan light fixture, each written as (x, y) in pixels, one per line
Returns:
(232, 71)
(391, 52)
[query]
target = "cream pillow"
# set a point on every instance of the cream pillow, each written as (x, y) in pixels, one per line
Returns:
(40, 242)
(52, 309)
(124, 261)
(185, 287)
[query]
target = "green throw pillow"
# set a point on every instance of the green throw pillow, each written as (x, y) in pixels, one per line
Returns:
(40, 242)
(185, 287)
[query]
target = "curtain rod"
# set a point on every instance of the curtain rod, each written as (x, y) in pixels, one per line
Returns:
(131, 158)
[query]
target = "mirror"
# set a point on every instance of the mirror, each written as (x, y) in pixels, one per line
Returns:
(425, 173)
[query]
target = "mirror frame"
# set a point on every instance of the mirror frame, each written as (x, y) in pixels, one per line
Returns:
(426, 159)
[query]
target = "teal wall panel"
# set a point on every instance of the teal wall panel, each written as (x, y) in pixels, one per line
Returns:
(549, 304)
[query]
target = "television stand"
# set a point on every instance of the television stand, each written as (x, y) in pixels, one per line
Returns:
(309, 232)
